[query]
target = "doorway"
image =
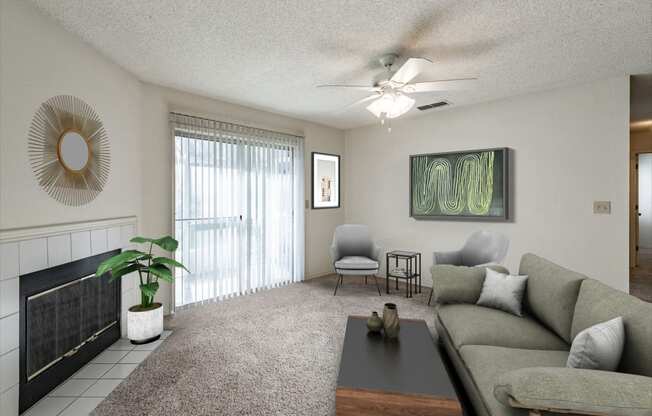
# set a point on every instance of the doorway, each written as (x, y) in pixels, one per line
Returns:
(640, 282)
(644, 213)
(640, 192)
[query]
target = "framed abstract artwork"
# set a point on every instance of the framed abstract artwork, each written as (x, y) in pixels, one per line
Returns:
(325, 181)
(465, 185)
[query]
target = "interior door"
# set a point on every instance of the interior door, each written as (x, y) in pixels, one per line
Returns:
(643, 217)
(633, 203)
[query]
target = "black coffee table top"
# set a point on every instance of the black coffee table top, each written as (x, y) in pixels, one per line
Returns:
(410, 364)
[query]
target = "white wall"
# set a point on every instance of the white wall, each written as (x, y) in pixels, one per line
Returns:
(157, 158)
(39, 59)
(570, 147)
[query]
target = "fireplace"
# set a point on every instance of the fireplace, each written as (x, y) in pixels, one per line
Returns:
(67, 316)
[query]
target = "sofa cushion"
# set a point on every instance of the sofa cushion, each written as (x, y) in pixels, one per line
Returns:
(487, 363)
(551, 293)
(459, 284)
(465, 377)
(477, 325)
(356, 263)
(598, 302)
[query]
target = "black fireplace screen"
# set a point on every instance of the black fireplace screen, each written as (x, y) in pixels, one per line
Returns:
(67, 316)
(63, 319)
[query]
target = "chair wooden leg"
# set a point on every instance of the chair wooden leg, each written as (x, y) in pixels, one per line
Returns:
(430, 297)
(365, 279)
(340, 280)
(377, 287)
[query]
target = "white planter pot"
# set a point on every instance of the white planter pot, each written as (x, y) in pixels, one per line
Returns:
(144, 326)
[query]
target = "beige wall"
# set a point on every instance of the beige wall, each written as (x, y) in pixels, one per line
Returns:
(158, 169)
(39, 59)
(570, 147)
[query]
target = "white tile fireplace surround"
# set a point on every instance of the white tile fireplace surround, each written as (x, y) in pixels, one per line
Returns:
(28, 250)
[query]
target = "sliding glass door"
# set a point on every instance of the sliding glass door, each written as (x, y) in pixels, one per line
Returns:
(238, 209)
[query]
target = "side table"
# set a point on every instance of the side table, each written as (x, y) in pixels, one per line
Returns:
(411, 271)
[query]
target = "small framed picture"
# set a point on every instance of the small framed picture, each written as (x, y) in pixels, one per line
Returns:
(325, 181)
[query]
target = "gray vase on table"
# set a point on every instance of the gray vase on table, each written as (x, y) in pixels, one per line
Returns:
(390, 320)
(374, 323)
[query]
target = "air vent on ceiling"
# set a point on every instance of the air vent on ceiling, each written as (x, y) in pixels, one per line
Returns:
(433, 105)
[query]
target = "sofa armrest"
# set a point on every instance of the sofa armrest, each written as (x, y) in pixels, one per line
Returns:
(447, 257)
(572, 390)
(458, 284)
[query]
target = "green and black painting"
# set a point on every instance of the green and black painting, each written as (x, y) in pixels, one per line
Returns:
(468, 184)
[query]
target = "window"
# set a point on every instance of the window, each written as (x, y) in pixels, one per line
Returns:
(238, 209)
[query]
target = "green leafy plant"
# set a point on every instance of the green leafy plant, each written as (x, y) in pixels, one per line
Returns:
(150, 268)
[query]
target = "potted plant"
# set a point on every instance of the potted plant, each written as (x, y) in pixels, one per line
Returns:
(144, 321)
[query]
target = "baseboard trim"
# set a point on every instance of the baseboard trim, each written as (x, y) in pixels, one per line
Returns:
(322, 274)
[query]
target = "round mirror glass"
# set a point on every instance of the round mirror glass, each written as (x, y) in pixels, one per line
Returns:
(73, 151)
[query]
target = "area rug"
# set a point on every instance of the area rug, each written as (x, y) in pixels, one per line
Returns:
(275, 352)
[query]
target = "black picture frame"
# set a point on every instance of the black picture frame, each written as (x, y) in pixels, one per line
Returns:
(312, 181)
(505, 152)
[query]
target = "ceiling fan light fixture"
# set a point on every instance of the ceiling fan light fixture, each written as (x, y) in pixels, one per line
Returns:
(391, 105)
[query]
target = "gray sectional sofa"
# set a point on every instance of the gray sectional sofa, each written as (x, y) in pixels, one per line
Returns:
(512, 365)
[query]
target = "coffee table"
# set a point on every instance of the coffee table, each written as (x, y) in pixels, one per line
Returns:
(404, 376)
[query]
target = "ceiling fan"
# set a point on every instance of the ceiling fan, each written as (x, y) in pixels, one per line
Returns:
(391, 95)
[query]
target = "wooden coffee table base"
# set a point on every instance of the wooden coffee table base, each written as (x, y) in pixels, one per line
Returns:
(360, 402)
(401, 376)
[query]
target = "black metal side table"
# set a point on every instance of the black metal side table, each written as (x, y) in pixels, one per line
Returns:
(411, 271)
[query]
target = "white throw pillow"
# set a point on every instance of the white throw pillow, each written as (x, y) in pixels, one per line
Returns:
(598, 347)
(502, 291)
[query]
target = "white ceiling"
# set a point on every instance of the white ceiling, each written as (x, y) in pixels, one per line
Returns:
(271, 54)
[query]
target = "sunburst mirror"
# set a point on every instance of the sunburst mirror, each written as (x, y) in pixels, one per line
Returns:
(69, 150)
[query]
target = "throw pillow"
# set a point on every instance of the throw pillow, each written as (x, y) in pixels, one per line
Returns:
(503, 291)
(598, 347)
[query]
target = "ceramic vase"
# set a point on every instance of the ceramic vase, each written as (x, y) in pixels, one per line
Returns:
(390, 320)
(374, 323)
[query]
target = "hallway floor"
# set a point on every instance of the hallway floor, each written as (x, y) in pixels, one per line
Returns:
(640, 278)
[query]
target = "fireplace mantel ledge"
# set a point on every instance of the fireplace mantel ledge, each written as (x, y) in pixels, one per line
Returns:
(18, 234)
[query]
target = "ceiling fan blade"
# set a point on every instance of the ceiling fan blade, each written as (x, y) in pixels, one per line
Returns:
(351, 87)
(360, 101)
(459, 84)
(410, 69)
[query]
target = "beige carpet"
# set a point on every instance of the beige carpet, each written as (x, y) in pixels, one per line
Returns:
(276, 352)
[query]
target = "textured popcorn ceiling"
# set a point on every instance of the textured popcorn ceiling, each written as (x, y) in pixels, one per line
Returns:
(271, 54)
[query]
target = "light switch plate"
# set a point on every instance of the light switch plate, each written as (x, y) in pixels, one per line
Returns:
(602, 207)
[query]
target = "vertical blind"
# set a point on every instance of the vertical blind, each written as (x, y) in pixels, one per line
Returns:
(238, 209)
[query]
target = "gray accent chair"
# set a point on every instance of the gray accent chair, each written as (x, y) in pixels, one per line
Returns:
(353, 252)
(481, 248)
(516, 366)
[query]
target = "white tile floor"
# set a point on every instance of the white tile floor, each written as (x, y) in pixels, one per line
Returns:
(81, 393)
